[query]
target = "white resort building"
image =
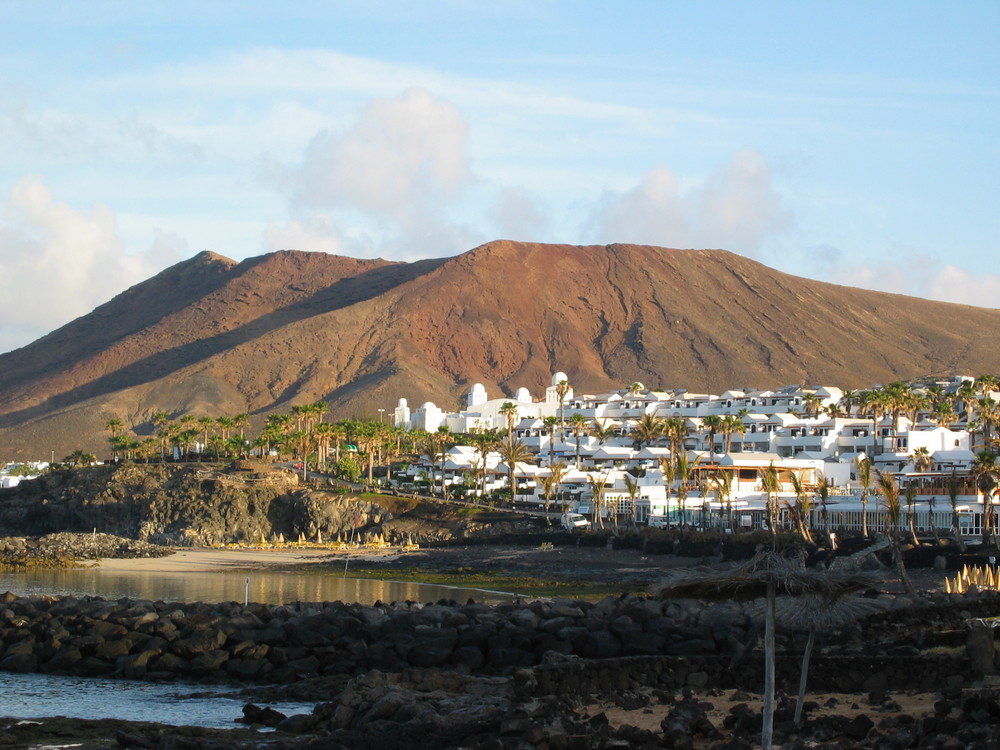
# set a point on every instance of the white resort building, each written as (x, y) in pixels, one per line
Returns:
(674, 457)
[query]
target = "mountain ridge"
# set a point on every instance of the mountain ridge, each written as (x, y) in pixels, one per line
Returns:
(210, 335)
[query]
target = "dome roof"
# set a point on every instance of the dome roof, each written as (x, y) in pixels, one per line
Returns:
(428, 405)
(402, 402)
(478, 388)
(559, 376)
(523, 395)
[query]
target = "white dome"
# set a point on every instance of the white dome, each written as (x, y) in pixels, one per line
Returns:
(478, 388)
(402, 402)
(558, 377)
(428, 405)
(523, 395)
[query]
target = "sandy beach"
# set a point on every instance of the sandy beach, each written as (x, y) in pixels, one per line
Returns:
(214, 560)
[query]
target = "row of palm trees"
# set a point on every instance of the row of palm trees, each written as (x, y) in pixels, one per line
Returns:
(971, 402)
(301, 434)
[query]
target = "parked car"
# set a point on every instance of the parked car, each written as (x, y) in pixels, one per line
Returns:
(575, 521)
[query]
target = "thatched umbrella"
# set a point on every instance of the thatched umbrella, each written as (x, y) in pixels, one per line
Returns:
(816, 613)
(767, 576)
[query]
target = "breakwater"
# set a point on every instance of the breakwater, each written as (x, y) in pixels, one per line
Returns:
(141, 639)
(447, 674)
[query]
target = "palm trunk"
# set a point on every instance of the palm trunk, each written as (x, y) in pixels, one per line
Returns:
(767, 717)
(804, 675)
(897, 558)
(956, 533)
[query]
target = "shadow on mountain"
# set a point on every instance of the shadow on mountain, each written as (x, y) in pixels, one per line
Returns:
(342, 294)
(128, 313)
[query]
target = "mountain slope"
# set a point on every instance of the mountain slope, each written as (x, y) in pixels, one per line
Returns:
(294, 327)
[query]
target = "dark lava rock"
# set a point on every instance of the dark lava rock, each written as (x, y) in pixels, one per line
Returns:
(685, 721)
(261, 715)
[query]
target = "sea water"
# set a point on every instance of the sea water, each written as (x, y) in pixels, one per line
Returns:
(231, 586)
(34, 696)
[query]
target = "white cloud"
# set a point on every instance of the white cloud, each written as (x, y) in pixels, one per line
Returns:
(735, 208)
(921, 276)
(403, 156)
(59, 263)
(315, 234)
(518, 215)
(396, 172)
(954, 284)
(884, 276)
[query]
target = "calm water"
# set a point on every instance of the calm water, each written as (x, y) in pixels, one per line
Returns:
(265, 587)
(34, 696)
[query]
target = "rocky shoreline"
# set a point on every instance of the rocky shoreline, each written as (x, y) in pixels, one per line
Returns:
(69, 549)
(447, 674)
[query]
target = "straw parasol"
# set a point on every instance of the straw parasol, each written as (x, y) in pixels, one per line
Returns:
(767, 576)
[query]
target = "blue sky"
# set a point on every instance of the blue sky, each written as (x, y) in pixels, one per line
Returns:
(848, 142)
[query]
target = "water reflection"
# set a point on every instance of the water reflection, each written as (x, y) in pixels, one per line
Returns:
(264, 587)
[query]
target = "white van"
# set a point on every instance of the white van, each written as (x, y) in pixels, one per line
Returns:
(575, 521)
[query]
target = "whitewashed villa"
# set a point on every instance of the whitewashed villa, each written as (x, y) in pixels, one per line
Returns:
(814, 436)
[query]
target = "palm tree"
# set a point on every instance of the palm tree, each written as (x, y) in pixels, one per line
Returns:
(910, 493)
(889, 491)
(668, 467)
(770, 484)
(242, 421)
(550, 426)
(80, 458)
(956, 529)
(580, 424)
(823, 490)
(943, 414)
(965, 394)
(485, 442)
(878, 403)
(598, 484)
(922, 460)
(722, 481)
(632, 488)
(513, 451)
(732, 424)
(114, 426)
(812, 404)
(551, 483)
(682, 472)
(986, 472)
(835, 411)
(509, 410)
(602, 430)
(562, 389)
(865, 478)
(275, 428)
(646, 430)
(676, 430)
(713, 422)
(989, 415)
(800, 511)
(206, 424)
(323, 432)
(161, 423)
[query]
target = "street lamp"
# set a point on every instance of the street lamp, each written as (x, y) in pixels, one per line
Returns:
(380, 413)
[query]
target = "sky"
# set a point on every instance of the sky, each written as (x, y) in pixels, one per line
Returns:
(850, 142)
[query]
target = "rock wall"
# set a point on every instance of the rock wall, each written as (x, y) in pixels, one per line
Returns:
(673, 643)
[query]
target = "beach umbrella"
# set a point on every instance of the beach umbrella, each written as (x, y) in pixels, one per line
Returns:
(767, 576)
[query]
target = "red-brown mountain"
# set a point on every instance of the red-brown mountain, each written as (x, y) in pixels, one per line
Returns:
(212, 336)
